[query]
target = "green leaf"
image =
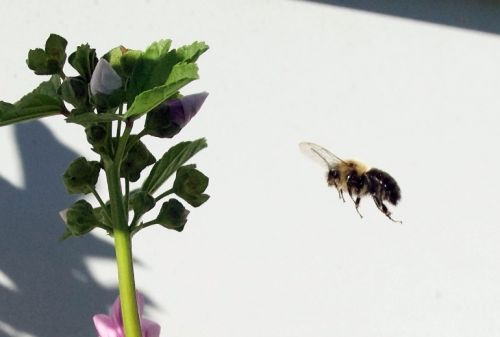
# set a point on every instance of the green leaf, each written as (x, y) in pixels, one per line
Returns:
(157, 49)
(48, 88)
(41, 102)
(128, 63)
(90, 117)
(182, 71)
(170, 162)
(192, 52)
(155, 65)
(148, 100)
(114, 58)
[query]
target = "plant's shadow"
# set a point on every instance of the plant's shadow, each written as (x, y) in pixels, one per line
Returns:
(481, 15)
(54, 293)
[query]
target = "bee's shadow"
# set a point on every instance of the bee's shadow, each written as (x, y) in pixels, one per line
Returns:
(50, 291)
(476, 15)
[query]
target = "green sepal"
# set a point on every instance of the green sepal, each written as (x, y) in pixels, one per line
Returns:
(41, 102)
(84, 60)
(96, 135)
(48, 61)
(136, 160)
(174, 158)
(74, 90)
(104, 103)
(80, 218)
(67, 234)
(81, 176)
(172, 215)
(142, 202)
(159, 123)
(190, 184)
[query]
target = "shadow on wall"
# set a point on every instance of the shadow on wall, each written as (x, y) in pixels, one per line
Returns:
(54, 293)
(481, 15)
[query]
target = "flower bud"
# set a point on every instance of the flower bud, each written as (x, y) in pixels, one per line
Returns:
(173, 215)
(80, 218)
(190, 184)
(84, 60)
(137, 159)
(74, 90)
(50, 60)
(104, 80)
(81, 176)
(96, 136)
(142, 202)
(168, 118)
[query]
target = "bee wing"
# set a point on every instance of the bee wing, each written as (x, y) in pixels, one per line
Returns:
(320, 155)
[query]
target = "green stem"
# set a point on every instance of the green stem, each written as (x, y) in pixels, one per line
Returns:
(103, 205)
(134, 227)
(123, 244)
(127, 194)
(164, 194)
(97, 196)
(119, 126)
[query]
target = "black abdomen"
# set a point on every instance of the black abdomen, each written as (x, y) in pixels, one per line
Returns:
(383, 186)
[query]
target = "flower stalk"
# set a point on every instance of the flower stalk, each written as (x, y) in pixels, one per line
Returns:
(123, 244)
(98, 95)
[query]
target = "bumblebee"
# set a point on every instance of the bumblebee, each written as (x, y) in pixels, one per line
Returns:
(356, 178)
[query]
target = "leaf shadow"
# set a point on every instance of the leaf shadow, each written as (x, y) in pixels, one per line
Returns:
(55, 293)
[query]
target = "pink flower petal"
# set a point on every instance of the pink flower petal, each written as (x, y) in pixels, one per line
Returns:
(112, 326)
(150, 328)
(106, 327)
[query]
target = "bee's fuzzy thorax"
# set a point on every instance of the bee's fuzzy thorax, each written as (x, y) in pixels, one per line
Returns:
(350, 165)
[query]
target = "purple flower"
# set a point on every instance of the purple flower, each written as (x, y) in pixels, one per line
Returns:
(168, 118)
(112, 326)
(184, 108)
(104, 79)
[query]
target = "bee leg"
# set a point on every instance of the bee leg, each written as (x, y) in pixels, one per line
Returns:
(352, 198)
(341, 194)
(356, 203)
(383, 209)
(339, 189)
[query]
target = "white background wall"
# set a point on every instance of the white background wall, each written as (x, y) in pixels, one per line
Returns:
(274, 252)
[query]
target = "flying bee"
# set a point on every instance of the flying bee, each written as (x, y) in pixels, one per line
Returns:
(355, 178)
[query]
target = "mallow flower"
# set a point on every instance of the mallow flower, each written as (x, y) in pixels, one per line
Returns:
(168, 118)
(112, 326)
(104, 79)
